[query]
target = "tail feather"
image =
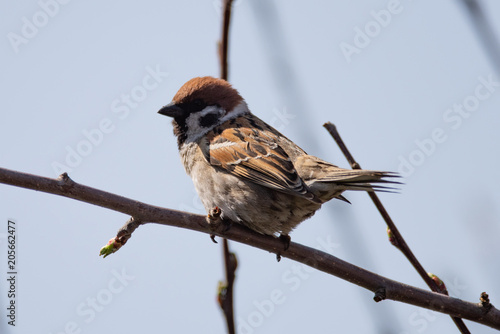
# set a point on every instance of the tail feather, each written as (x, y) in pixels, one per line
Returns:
(365, 180)
(357, 176)
(368, 187)
(330, 181)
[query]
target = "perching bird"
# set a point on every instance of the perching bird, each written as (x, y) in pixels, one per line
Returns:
(255, 175)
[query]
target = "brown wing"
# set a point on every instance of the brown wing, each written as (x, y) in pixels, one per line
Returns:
(254, 154)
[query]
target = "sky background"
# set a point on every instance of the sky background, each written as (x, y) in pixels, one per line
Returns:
(408, 84)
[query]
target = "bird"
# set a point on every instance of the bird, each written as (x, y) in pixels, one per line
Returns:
(246, 170)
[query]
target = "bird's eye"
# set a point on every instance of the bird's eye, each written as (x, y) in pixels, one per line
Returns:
(196, 105)
(209, 120)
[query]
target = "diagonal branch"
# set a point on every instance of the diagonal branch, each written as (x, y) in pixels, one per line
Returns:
(484, 30)
(384, 288)
(400, 242)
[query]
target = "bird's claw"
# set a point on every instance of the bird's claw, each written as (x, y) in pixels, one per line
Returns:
(214, 214)
(217, 223)
(285, 238)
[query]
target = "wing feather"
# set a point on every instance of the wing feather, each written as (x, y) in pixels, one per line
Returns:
(255, 155)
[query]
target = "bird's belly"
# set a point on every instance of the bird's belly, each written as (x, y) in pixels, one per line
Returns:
(261, 209)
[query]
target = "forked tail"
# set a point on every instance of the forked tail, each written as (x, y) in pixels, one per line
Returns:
(365, 180)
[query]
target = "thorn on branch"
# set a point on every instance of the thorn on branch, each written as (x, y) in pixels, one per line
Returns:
(379, 295)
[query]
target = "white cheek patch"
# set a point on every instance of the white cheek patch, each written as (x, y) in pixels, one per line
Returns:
(193, 122)
(240, 109)
(195, 130)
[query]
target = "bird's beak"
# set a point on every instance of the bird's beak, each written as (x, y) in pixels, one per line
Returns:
(171, 110)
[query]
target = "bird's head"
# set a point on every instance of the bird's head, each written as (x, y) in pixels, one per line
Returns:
(202, 104)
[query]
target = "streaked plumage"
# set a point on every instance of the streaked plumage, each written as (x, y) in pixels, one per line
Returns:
(253, 173)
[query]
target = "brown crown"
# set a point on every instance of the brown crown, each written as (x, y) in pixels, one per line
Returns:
(211, 90)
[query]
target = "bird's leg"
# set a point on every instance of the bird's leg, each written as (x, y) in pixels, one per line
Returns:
(285, 238)
(215, 221)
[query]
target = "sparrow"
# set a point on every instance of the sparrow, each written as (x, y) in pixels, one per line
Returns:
(248, 170)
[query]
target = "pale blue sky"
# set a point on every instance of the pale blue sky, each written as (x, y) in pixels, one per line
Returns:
(80, 91)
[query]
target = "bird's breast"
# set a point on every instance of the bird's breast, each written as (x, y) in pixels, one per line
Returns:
(191, 154)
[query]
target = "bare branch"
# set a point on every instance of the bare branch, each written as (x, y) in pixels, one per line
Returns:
(385, 288)
(224, 43)
(484, 30)
(226, 289)
(400, 242)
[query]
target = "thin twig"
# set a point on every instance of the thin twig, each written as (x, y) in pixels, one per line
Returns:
(484, 312)
(484, 30)
(124, 233)
(226, 298)
(223, 44)
(400, 242)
